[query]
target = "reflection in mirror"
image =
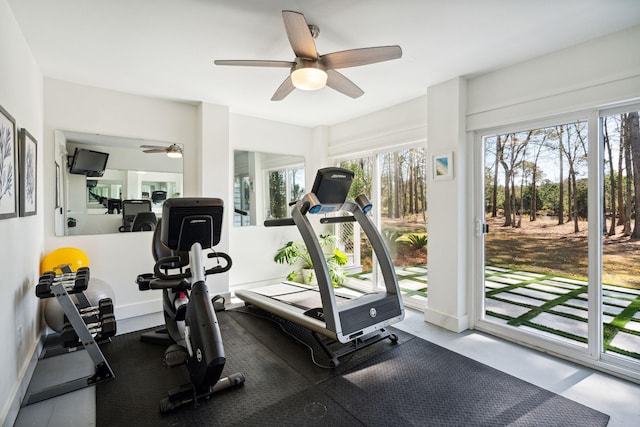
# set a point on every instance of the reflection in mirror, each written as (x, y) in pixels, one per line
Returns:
(264, 184)
(94, 201)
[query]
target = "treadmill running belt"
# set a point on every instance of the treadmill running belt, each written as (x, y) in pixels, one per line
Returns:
(306, 299)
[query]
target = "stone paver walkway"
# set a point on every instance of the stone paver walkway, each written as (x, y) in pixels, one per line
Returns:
(545, 303)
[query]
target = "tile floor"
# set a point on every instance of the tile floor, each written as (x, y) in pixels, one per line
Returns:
(615, 397)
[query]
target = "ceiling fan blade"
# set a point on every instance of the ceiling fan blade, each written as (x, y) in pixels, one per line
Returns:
(363, 56)
(285, 89)
(299, 35)
(252, 63)
(339, 82)
(158, 147)
(155, 150)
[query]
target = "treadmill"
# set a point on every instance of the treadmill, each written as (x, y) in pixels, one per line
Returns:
(333, 314)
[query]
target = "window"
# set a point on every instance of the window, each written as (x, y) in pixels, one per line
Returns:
(284, 186)
(395, 182)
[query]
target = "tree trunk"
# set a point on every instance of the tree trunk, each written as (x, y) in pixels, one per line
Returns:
(561, 183)
(634, 142)
(494, 196)
(627, 166)
(620, 180)
(398, 180)
(513, 201)
(507, 197)
(521, 193)
(612, 187)
(576, 229)
(412, 208)
(533, 216)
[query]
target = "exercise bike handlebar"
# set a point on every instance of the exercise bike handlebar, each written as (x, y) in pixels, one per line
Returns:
(169, 260)
(217, 269)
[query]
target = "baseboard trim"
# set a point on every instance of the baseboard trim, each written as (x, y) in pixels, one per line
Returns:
(452, 323)
(12, 408)
(138, 309)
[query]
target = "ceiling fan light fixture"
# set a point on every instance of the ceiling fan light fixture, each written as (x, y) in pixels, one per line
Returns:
(174, 154)
(308, 75)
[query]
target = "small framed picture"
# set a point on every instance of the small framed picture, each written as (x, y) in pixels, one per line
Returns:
(443, 167)
(8, 166)
(28, 173)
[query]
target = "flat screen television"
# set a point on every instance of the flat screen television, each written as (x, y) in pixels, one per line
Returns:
(88, 162)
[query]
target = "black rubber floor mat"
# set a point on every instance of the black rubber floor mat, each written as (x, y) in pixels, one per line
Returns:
(410, 383)
(422, 384)
(132, 398)
(302, 351)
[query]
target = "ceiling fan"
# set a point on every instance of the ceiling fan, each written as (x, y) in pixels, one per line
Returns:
(310, 71)
(174, 150)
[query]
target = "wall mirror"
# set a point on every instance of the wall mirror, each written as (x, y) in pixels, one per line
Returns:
(264, 184)
(96, 202)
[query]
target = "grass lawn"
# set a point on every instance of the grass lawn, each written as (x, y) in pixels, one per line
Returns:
(549, 248)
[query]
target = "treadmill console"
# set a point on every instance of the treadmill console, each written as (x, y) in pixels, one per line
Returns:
(331, 188)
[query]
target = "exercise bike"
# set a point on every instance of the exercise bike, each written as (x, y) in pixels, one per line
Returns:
(188, 227)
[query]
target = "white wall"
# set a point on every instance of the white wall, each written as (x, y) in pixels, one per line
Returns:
(447, 205)
(21, 238)
(398, 125)
(253, 247)
(596, 73)
(209, 134)
(115, 258)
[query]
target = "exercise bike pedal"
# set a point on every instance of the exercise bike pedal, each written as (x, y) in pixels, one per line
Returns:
(175, 355)
(176, 397)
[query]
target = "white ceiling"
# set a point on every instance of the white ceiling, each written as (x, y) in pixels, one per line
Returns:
(166, 48)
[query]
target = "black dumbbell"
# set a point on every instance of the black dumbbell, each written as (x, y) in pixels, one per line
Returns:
(73, 283)
(105, 306)
(101, 330)
(107, 327)
(68, 336)
(51, 275)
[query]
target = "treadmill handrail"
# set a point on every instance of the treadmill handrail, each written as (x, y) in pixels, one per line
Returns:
(319, 265)
(330, 307)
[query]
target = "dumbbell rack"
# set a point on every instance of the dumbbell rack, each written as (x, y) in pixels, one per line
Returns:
(102, 371)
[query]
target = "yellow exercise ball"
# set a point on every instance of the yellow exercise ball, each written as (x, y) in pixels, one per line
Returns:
(56, 260)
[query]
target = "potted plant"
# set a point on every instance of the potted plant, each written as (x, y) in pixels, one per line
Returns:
(296, 255)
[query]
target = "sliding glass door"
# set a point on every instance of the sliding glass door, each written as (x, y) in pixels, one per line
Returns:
(559, 248)
(620, 141)
(536, 250)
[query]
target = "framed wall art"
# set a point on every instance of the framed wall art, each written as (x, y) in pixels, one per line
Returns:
(443, 167)
(8, 175)
(28, 173)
